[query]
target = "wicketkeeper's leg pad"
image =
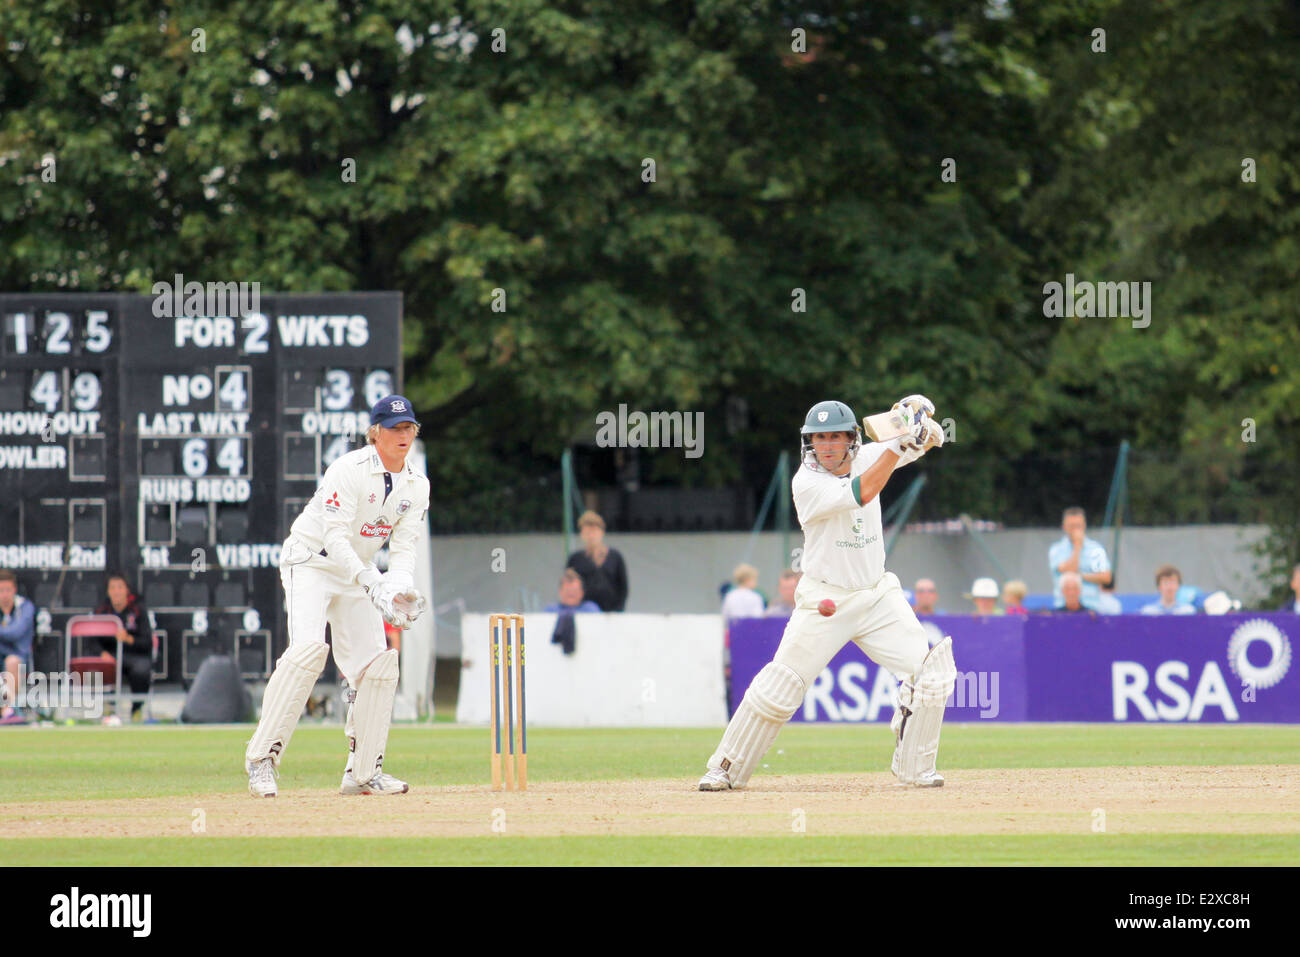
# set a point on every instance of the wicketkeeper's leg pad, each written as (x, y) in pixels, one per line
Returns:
(291, 682)
(772, 698)
(919, 717)
(371, 714)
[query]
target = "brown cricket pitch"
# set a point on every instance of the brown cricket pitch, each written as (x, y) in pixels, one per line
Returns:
(1235, 799)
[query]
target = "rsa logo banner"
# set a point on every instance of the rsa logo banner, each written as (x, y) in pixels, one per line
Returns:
(1203, 668)
(1216, 668)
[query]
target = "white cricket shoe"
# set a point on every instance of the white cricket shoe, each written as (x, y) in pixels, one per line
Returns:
(931, 779)
(715, 779)
(381, 783)
(261, 778)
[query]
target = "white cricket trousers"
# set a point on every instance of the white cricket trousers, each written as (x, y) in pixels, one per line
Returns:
(316, 593)
(878, 619)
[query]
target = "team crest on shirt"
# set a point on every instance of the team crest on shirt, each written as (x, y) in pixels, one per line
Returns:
(379, 528)
(403, 507)
(372, 498)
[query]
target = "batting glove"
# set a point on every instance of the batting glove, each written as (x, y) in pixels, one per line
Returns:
(925, 435)
(933, 435)
(919, 405)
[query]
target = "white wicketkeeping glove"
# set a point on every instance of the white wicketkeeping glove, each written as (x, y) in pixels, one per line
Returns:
(410, 604)
(384, 597)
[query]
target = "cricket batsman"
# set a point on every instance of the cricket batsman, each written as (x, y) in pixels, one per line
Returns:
(846, 595)
(367, 497)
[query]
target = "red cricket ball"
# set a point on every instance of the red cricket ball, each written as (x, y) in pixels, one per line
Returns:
(826, 607)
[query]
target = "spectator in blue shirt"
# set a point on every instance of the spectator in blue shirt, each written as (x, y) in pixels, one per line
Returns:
(571, 596)
(783, 607)
(1168, 580)
(927, 597)
(1294, 605)
(1079, 554)
(17, 629)
(1107, 603)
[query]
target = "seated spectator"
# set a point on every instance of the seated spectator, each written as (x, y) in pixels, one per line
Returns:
(783, 607)
(17, 629)
(135, 636)
(1077, 553)
(927, 598)
(1072, 592)
(603, 571)
(571, 595)
(1013, 597)
(984, 592)
(571, 602)
(1168, 580)
(1294, 605)
(1107, 603)
(743, 601)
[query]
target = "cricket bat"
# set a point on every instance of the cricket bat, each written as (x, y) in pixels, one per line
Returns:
(884, 426)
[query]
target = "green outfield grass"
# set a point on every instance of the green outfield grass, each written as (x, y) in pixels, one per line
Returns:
(87, 763)
(903, 850)
(161, 760)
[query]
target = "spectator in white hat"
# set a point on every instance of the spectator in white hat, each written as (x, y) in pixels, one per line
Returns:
(985, 595)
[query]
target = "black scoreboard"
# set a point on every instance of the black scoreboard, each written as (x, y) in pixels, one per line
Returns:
(157, 436)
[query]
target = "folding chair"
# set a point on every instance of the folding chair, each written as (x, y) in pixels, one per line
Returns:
(104, 626)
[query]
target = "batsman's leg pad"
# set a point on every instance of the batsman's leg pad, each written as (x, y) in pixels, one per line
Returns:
(772, 698)
(919, 717)
(349, 726)
(286, 695)
(372, 713)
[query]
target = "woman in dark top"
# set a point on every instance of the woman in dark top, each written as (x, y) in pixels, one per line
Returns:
(135, 636)
(604, 575)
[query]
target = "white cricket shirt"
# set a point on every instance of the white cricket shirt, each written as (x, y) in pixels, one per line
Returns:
(353, 513)
(843, 541)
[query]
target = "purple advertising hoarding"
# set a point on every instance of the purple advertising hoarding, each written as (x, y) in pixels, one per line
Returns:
(990, 671)
(1234, 668)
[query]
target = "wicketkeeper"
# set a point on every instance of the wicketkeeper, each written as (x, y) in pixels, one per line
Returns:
(367, 497)
(836, 495)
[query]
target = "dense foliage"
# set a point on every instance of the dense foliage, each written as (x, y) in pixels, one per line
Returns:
(522, 169)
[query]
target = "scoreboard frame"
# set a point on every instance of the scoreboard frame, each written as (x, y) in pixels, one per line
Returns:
(177, 449)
